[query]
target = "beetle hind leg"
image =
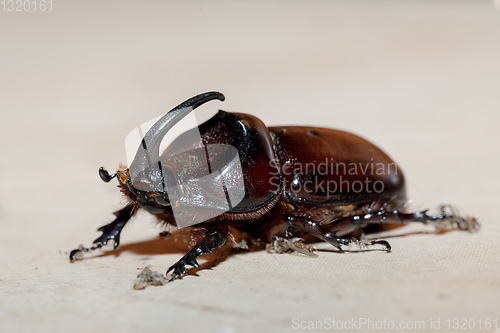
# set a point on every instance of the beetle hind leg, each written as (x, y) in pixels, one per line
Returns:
(212, 241)
(447, 219)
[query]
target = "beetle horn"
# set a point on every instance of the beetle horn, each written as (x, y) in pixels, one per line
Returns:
(146, 160)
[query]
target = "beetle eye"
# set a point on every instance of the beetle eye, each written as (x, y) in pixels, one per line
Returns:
(162, 199)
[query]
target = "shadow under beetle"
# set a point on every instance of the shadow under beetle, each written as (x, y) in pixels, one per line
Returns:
(299, 182)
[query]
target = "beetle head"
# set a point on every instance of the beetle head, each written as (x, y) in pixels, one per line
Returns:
(146, 178)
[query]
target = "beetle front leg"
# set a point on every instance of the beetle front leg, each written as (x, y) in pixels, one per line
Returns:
(109, 231)
(213, 240)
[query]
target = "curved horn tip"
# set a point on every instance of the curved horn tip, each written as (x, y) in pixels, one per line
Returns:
(220, 96)
(200, 99)
(212, 95)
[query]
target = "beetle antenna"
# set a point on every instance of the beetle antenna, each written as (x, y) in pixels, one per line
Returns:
(105, 176)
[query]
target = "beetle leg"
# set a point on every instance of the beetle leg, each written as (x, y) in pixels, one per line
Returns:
(212, 241)
(448, 218)
(109, 231)
(316, 229)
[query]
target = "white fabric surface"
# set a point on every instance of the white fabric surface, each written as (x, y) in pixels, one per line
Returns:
(419, 78)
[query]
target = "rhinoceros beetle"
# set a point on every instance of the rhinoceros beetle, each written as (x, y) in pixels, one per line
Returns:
(308, 182)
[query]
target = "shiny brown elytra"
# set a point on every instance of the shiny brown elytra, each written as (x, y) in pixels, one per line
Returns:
(308, 182)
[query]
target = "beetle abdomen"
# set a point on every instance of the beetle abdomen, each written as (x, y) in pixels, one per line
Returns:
(326, 166)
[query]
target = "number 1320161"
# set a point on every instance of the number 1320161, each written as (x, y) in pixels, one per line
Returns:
(26, 5)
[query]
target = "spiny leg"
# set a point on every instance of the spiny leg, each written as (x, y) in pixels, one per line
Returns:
(213, 240)
(448, 218)
(109, 231)
(316, 229)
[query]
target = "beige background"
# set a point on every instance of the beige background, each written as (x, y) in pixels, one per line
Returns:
(419, 78)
